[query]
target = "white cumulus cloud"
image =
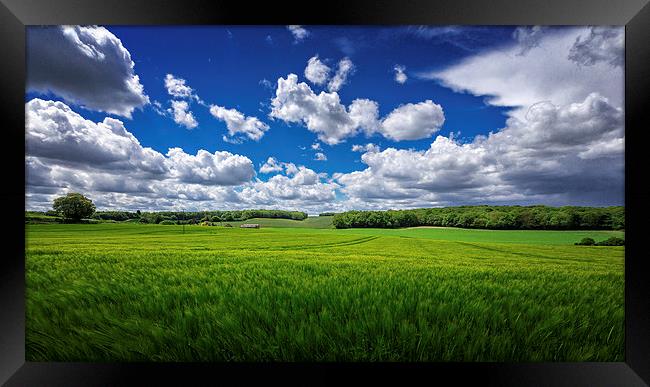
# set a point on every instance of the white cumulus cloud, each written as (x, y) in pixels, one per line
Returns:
(413, 121)
(370, 147)
(176, 87)
(400, 75)
(66, 152)
(299, 188)
(560, 155)
(54, 131)
(528, 37)
(365, 114)
(325, 115)
(316, 71)
(182, 115)
(321, 113)
(340, 78)
(238, 124)
(85, 65)
(218, 168)
(601, 44)
(298, 32)
(320, 156)
(271, 165)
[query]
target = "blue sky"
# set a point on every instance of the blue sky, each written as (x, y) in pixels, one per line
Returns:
(458, 128)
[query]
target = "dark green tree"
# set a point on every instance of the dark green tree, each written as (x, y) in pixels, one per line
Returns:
(613, 241)
(74, 206)
(586, 242)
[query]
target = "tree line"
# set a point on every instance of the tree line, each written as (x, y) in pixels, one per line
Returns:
(490, 217)
(216, 216)
(75, 207)
(190, 217)
(612, 241)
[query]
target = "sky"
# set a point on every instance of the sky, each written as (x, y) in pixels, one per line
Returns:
(324, 118)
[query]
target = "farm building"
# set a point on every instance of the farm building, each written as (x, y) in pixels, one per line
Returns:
(252, 225)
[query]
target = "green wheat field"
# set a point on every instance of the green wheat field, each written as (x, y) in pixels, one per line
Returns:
(301, 291)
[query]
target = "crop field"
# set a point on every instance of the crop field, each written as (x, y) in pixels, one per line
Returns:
(310, 222)
(131, 292)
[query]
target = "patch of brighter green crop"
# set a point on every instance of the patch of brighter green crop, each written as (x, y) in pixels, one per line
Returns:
(129, 292)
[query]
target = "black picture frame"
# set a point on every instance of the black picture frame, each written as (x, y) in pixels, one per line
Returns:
(16, 14)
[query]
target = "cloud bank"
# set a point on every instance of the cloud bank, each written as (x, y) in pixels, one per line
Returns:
(559, 145)
(333, 122)
(85, 65)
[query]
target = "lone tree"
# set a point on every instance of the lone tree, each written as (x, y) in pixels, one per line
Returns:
(74, 206)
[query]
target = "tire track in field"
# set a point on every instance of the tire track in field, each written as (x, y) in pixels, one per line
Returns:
(333, 244)
(292, 247)
(526, 255)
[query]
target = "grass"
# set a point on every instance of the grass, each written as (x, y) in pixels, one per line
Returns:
(537, 237)
(310, 222)
(129, 292)
(38, 218)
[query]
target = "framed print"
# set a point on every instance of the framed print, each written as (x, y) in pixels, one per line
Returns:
(379, 189)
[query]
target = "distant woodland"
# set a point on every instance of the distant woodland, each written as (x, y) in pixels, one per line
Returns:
(490, 217)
